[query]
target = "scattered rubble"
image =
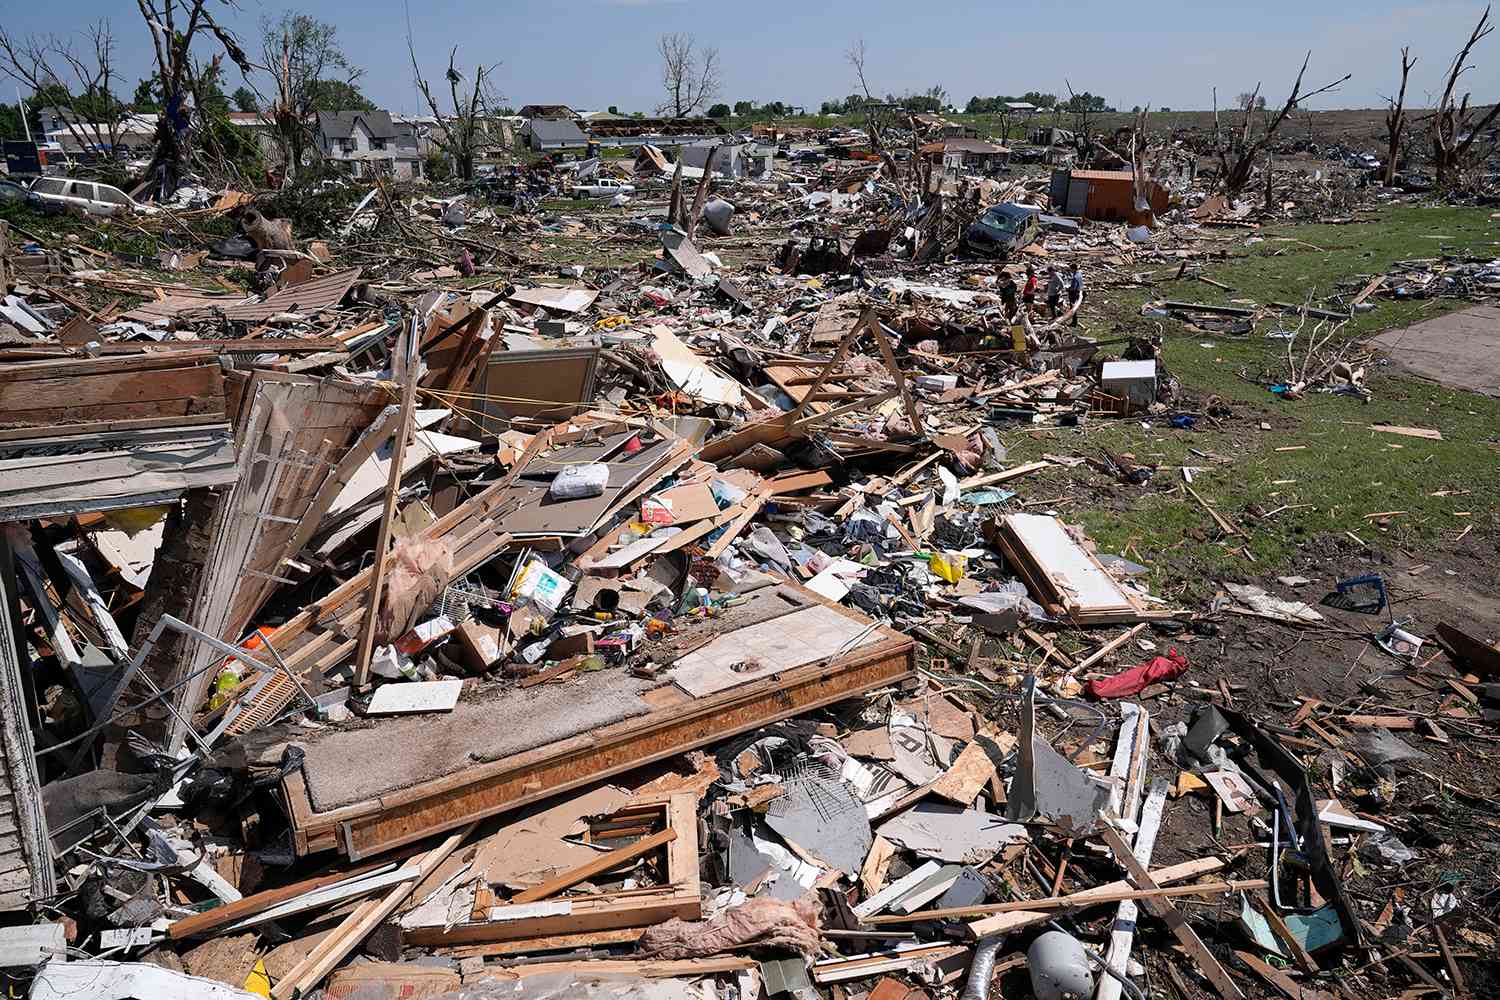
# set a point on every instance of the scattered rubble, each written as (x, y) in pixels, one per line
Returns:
(393, 612)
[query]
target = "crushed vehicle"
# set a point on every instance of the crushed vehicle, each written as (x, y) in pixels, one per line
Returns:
(1003, 229)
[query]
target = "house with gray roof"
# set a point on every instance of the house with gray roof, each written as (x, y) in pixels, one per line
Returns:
(546, 134)
(367, 143)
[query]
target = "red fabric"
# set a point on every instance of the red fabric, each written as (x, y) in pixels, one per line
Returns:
(1137, 678)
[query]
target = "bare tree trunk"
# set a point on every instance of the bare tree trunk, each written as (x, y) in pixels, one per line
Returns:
(1453, 127)
(674, 200)
(1237, 174)
(1395, 122)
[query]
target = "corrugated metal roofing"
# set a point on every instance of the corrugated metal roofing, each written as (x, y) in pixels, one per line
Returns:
(311, 296)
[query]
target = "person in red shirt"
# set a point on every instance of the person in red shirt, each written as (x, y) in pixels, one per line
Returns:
(1028, 292)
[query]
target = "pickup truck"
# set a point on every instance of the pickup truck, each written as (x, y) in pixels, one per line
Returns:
(602, 187)
(58, 193)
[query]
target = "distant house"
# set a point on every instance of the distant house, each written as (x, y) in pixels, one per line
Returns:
(970, 155)
(546, 111)
(546, 134)
(1021, 107)
(134, 133)
(366, 143)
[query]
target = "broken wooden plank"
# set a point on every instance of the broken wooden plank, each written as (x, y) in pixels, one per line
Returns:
(358, 925)
(605, 862)
(1078, 900)
(962, 782)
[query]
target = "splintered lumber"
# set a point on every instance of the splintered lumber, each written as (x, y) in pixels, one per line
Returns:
(1284, 984)
(970, 772)
(357, 926)
(1416, 432)
(1077, 900)
(228, 913)
(1008, 920)
(1110, 646)
(392, 493)
(604, 863)
(1219, 519)
(1164, 910)
(555, 942)
(648, 969)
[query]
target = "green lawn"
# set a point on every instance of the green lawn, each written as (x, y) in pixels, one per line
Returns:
(1342, 471)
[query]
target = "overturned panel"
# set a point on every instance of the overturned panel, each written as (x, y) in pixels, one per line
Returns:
(587, 744)
(77, 395)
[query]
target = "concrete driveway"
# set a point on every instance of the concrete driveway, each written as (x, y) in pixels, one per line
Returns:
(1461, 349)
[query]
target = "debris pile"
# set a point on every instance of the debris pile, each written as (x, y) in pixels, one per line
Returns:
(392, 611)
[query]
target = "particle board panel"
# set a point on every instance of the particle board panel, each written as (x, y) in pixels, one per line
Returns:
(601, 911)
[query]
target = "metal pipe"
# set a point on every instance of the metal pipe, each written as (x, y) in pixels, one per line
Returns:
(982, 968)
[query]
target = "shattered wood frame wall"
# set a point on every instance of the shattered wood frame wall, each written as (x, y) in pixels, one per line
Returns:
(292, 433)
(678, 724)
(678, 897)
(82, 435)
(25, 858)
(325, 633)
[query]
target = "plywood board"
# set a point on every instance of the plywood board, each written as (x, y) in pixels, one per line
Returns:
(569, 300)
(781, 644)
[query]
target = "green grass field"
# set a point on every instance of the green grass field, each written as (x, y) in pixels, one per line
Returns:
(1342, 470)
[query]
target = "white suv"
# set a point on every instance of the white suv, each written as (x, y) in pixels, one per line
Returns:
(88, 196)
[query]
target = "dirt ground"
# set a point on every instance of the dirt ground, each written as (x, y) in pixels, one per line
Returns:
(1442, 807)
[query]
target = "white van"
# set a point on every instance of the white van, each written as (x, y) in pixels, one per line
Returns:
(88, 196)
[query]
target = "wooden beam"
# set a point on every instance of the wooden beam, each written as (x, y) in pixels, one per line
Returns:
(262, 901)
(1110, 647)
(1075, 900)
(366, 646)
(601, 864)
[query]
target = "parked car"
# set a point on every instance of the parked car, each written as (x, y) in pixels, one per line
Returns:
(11, 191)
(1003, 229)
(602, 187)
(87, 196)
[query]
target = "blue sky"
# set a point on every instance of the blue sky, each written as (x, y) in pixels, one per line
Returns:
(593, 53)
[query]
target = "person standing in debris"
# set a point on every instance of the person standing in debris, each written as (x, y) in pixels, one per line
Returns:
(1054, 291)
(1028, 292)
(1008, 294)
(1075, 292)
